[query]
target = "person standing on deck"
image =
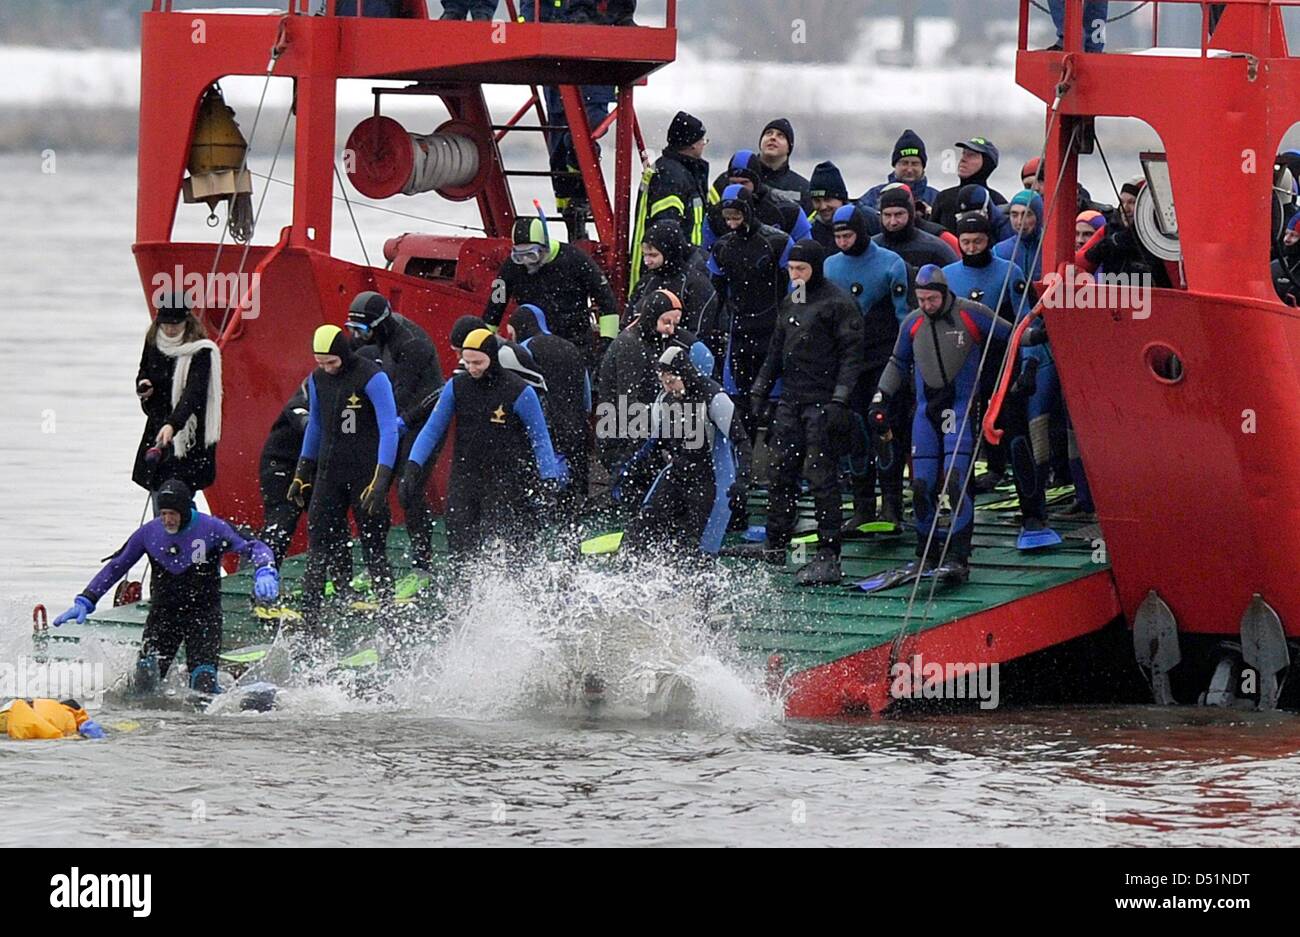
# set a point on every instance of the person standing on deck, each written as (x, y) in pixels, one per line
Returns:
(909, 162)
(346, 462)
(938, 349)
(409, 358)
(185, 549)
(979, 158)
(556, 277)
(746, 170)
(504, 467)
(816, 353)
(876, 278)
(669, 267)
(675, 188)
(829, 194)
(775, 145)
(179, 386)
(903, 235)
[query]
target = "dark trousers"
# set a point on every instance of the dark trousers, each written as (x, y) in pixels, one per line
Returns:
(328, 538)
(165, 630)
(799, 439)
(475, 9)
(745, 353)
(675, 512)
(478, 513)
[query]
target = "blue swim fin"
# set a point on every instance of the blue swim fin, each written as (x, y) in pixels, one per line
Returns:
(1037, 539)
(888, 578)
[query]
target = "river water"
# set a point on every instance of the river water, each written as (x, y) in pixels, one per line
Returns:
(473, 744)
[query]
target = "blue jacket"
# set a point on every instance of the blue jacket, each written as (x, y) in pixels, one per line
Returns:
(985, 285)
(922, 191)
(877, 281)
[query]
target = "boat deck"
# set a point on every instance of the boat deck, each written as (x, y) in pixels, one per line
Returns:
(831, 644)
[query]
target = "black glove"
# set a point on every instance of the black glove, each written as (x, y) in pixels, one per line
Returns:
(761, 406)
(411, 487)
(738, 488)
(839, 421)
(304, 475)
(376, 493)
(1027, 381)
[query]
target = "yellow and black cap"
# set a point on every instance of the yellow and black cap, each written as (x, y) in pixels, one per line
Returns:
(332, 340)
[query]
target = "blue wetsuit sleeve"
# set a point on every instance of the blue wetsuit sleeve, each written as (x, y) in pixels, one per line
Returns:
(435, 428)
(529, 409)
(117, 567)
(380, 391)
(255, 551)
(998, 326)
(311, 438)
(898, 290)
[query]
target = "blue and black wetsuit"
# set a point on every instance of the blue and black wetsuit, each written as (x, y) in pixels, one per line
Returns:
(502, 450)
(942, 352)
(352, 437)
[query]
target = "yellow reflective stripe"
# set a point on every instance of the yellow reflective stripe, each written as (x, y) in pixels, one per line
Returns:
(609, 326)
(714, 196)
(697, 225)
(671, 201)
(638, 232)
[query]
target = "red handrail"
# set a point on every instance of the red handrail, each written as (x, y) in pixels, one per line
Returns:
(237, 316)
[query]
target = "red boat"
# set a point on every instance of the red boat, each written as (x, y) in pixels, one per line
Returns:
(1187, 417)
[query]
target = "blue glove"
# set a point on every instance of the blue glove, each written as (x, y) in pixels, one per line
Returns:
(92, 730)
(81, 607)
(266, 584)
(401, 427)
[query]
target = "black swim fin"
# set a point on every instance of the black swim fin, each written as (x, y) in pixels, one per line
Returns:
(889, 578)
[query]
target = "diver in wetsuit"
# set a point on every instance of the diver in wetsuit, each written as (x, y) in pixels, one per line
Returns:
(568, 396)
(695, 428)
(940, 345)
(185, 549)
(410, 360)
(346, 462)
(503, 462)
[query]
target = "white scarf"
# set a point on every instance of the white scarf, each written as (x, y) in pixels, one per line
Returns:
(183, 353)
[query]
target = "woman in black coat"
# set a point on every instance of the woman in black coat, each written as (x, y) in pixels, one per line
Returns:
(179, 386)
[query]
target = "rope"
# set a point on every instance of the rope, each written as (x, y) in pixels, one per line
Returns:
(391, 211)
(355, 227)
(900, 637)
(276, 50)
(243, 258)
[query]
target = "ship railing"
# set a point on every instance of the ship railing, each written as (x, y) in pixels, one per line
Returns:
(1072, 41)
(328, 7)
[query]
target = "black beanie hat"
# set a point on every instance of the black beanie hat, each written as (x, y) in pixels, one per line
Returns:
(173, 308)
(462, 327)
(909, 144)
(783, 125)
(896, 195)
(974, 222)
(175, 495)
(684, 130)
(828, 182)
